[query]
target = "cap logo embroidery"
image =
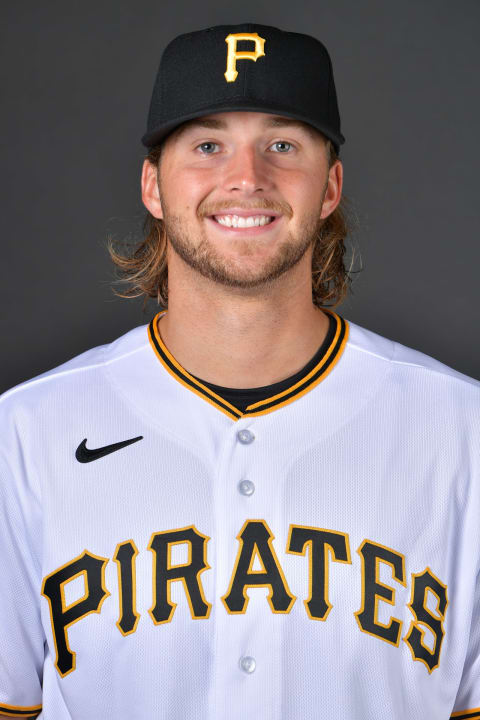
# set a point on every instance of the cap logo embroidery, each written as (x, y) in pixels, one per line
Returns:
(233, 55)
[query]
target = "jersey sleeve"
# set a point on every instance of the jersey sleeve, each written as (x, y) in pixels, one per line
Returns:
(467, 702)
(21, 634)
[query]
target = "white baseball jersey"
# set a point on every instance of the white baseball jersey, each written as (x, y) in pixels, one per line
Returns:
(167, 555)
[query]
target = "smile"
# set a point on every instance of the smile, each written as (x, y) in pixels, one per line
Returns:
(255, 224)
(243, 222)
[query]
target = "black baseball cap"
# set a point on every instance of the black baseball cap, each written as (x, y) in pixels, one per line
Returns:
(244, 67)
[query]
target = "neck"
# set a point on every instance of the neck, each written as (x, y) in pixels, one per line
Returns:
(242, 339)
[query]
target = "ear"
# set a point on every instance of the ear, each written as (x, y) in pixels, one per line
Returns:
(150, 193)
(333, 192)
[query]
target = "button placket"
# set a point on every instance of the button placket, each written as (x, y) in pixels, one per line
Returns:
(246, 437)
(238, 667)
(246, 487)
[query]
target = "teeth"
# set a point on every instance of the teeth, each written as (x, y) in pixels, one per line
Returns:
(243, 222)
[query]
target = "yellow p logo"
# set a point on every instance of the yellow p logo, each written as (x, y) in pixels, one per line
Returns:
(233, 55)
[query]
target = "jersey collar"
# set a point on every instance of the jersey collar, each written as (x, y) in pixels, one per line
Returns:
(307, 382)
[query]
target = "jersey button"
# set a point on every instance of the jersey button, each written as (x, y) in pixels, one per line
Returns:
(246, 487)
(245, 437)
(247, 664)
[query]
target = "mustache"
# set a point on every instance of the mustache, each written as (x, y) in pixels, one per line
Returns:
(216, 208)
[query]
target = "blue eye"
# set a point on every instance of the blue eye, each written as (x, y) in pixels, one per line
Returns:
(282, 146)
(204, 148)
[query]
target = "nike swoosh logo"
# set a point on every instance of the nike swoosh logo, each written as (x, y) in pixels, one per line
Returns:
(85, 455)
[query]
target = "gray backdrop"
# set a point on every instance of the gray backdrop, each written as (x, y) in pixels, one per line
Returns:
(76, 80)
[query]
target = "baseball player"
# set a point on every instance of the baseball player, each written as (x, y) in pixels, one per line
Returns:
(249, 507)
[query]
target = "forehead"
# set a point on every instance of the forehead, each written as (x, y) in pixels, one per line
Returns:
(257, 120)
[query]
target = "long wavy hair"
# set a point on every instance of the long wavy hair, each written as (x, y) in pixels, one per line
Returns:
(143, 271)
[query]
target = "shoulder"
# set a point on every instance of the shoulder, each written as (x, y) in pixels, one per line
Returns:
(368, 343)
(411, 375)
(79, 376)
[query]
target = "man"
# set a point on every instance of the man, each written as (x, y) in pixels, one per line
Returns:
(249, 507)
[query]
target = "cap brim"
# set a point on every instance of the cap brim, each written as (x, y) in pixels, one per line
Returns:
(156, 135)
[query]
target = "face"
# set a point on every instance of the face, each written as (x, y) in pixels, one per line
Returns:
(243, 195)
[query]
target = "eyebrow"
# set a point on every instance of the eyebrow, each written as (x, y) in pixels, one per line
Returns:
(274, 121)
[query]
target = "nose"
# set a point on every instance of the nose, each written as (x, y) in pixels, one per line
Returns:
(246, 172)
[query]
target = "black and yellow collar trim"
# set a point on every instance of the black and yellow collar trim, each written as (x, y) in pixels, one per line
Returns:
(16, 711)
(325, 364)
(473, 714)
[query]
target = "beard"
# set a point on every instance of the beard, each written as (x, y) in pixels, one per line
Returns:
(205, 257)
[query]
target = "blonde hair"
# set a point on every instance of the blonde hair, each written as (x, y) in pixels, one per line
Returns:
(144, 271)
